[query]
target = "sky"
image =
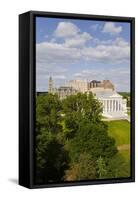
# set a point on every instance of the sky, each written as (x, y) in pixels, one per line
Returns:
(69, 49)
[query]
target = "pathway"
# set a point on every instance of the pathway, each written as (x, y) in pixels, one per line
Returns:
(123, 147)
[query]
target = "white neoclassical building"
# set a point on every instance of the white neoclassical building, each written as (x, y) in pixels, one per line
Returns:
(114, 106)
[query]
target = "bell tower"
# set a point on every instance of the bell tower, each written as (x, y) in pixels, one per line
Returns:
(50, 84)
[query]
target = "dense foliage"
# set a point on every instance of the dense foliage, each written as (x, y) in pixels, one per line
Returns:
(51, 157)
(72, 142)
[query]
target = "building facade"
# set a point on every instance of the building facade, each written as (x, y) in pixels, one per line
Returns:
(79, 85)
(65, 91)
(113, 104)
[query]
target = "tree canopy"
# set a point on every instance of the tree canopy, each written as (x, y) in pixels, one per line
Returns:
(51, 157)
(72, 141)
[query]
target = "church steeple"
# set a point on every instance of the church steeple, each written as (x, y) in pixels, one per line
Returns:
(50, 84)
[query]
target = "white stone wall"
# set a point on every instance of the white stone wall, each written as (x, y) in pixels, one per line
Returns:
(99, 89)
(124, 105)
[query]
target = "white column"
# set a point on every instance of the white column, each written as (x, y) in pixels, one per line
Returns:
(121, 105)
(112, 105)
(105, 105)
(118, 105)
(115, 105)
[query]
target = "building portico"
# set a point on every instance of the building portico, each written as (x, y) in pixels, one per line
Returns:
(113, 104)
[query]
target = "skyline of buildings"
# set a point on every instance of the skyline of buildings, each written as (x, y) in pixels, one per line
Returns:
(89, 82)
(114, 106)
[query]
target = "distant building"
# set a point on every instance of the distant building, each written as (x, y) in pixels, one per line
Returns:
(79, 85)
(94, 84)
(114, 106)
(65, 91)
(106, 84)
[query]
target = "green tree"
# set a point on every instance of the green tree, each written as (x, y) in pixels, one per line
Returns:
(101, 168)
(80, 107)
(71, 139)
(85, 131)
(84, 169)
(48, 113)
(118, 167)
(51, 157)
(93, 139)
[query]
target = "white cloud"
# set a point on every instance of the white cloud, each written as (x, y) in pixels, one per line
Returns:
(66, 29)
(70, 45)
(52, 59)
(71, 34)
(116, 51)
(59, 77)
(79, 40)
(119, 75)
(110, 27)
(55, 53)
(105, 42)
(62, 54)
(120, 42)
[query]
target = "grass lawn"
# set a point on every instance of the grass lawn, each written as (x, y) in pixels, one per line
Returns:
(125, 154)
(120, 131)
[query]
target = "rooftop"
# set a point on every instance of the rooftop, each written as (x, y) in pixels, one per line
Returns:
(107, 94)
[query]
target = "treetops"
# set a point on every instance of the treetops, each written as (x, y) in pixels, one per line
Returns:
(70, 135)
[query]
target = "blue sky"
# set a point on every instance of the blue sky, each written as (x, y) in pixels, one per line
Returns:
(82, 49)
